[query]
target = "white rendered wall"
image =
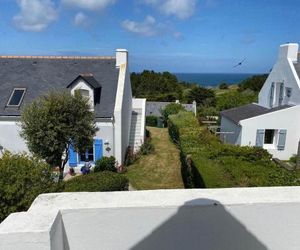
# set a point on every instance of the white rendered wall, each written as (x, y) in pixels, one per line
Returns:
(233, 219)
(282, 72)
(10, 137)
(123, 109)
(140, 103)
(82, 85)
(288, 119)
(229, 126)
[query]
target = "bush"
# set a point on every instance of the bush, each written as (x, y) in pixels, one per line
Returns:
(151, 120)
(22, 179)
(223, 86)
(147, 147)
(97, 182)
(106, 164)
(293, 159)
(171, 109)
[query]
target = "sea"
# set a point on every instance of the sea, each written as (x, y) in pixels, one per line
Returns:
(213, 79)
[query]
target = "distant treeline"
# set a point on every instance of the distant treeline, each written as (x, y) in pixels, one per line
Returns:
(156, 86)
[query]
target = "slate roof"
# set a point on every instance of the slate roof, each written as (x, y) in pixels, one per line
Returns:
(39, 75)
(154, 108)
(248, 111)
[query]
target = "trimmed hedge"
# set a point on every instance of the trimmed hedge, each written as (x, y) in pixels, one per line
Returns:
(106, 164)
(97, 182)
(215, 164)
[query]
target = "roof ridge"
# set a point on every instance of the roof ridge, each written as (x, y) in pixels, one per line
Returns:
(57, 57)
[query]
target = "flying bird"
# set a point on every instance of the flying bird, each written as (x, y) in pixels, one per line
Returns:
(240, 63)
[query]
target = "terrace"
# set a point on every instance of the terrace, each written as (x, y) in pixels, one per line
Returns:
(236, 218)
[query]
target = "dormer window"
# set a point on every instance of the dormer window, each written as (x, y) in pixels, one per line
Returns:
(16, 97)
(83, 92)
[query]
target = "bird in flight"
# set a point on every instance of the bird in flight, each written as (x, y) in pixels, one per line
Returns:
(240, 63)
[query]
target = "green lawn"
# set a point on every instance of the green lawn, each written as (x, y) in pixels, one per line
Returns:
(159, 170)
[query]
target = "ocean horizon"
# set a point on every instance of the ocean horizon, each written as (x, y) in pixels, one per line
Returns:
(213, 79)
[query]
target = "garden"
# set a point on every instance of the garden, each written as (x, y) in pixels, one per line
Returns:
(206, 162)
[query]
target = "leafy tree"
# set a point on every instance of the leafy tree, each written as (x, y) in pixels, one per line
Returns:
(254, 83)
(22, 179)
(51, 124)
(202, 96)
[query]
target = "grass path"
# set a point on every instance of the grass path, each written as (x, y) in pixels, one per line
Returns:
(159, 170)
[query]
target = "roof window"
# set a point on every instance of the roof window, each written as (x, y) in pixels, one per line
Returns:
(16, 97)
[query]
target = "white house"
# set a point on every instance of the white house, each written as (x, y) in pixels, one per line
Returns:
(104, 80)
(273, 123)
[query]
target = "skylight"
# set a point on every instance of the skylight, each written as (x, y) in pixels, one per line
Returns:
(16, 97)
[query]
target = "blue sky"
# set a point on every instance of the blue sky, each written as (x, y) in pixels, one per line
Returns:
(163, 35)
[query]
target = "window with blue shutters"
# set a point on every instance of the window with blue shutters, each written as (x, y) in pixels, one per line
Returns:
(98, 149)
(260, 137)
(73, 159)
(281, 139)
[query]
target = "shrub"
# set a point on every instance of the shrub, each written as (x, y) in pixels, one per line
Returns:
(106, 164)
(151, 120)
(293, 159)
(97, 182)
(147, 147)
(171, 109)
(22, 179)
(223, 86)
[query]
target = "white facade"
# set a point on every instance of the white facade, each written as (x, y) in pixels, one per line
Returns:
(114, 133)
(229, 219)
(277, 131)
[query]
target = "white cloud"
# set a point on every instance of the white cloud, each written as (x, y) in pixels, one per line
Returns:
(89, 4)
(35, 15)
(180, 8)
(81, 20)
(148, 27)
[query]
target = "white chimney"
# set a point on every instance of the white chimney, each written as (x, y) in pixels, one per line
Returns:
(289, 51)
(121, 57)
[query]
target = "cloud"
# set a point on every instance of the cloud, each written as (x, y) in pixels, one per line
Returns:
(148, 27)
(182, 9)
(35, 15)
(81, 20)
(89, 4)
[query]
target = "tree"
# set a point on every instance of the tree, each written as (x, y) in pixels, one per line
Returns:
(223, 86)
(254, 83)
(53, 123)
(202, 96)
(22, 179)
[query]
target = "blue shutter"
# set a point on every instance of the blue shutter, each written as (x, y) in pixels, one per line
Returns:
(281, 94)
(281, 139)
(72, 157)
(98, 149)
(260, 137)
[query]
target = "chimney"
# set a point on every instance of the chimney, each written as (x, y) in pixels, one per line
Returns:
(289, 51)
(121, 57)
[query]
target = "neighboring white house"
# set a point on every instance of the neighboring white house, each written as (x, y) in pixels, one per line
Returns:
(104, 80)
(273, 123)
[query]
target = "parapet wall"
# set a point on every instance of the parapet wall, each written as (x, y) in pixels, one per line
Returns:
(237, 218)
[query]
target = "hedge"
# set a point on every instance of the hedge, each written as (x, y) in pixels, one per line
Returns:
(214, 164)
(97, 182)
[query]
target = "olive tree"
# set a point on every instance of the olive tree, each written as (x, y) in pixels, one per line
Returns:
(52, 123)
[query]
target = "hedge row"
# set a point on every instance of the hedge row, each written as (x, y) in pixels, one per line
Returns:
(206, 162)
(97, 182)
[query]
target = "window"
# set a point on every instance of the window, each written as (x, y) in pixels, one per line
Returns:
(83, 92)
(281, 88)
(288, 92)
(87, 155)
(269, 136)
(271, 95)
(16, 97)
